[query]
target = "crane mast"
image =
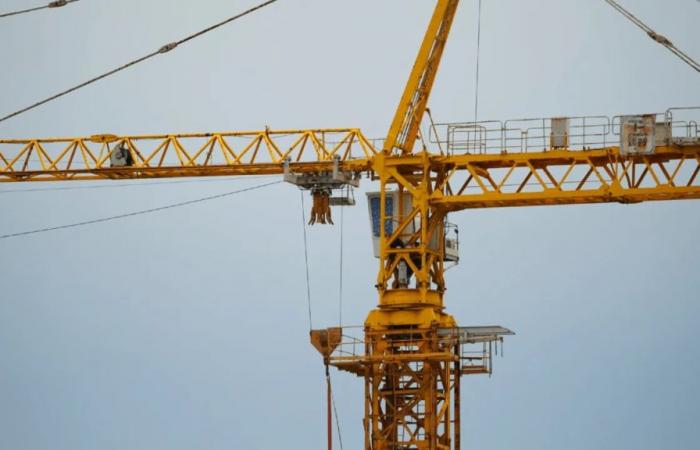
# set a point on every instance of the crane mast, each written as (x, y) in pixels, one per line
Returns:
(413, 353)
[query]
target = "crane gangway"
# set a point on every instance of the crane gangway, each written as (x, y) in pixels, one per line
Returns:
(535, 134)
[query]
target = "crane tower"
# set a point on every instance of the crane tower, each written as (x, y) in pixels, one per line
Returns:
(413, 352)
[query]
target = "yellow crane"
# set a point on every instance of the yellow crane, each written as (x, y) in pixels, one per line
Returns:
(412, 353)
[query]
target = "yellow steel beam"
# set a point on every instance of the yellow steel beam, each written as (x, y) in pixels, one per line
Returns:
(565, 177)
(554, 177)
(467, 181)
(411, 269)
(406, 123)
(183, 155)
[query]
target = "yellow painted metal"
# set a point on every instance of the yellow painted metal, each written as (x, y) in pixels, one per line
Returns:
(562, 177)
(409, 403)
(439, 184)
(467, 181)
(412, 377)
(411, 389)
(410, 380)
(409, 114)
(183, 155)
(326, 341)
(413, 404)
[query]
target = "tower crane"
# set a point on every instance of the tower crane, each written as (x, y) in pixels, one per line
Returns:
(413, 353)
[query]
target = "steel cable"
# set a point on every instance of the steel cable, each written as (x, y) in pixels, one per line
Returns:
(478, 57)
(52, 5)
(306, 260)
(164, 49)
(340, 276)
(659, 38)
(137, 213)
(137, 184)
(335, 412)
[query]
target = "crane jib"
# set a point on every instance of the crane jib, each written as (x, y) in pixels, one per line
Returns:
(411, 353)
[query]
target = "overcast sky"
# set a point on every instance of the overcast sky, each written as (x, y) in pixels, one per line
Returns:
(187, 329)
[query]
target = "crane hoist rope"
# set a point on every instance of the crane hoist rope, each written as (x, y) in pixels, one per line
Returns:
(306, 259)
(331, 409)
(340, 267)
(138, 213)
(51, 5)
(164, 49)
(335, 412)
(412, 352)
(659, 38)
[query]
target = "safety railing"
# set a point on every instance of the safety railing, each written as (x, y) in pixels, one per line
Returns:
(475, 357)
(676, 125)
(476, 361)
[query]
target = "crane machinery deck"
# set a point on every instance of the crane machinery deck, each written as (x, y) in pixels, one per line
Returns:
(413, 352)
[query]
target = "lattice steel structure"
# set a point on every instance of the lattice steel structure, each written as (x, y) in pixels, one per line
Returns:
(413, 352)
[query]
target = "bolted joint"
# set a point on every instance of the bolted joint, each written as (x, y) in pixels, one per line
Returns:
(58, 3)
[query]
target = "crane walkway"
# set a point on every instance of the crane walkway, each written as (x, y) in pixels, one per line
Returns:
(676, 126)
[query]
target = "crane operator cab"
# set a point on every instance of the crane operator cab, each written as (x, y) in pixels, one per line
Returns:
(449, 244)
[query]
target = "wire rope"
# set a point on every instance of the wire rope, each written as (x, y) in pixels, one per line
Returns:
(136, 213)
(306, 260)
(478, 57)
(659, 38)
(164, 49)
(52, 5)
(116, 185)
(335, 413)
(340, 264)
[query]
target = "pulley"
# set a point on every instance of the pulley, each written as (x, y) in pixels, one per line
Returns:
(322, 184)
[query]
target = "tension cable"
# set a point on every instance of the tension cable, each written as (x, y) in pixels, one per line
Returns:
(659, 38)
(164, 49)
(54, 4)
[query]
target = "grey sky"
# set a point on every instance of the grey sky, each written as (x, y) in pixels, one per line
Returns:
(187, 329)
